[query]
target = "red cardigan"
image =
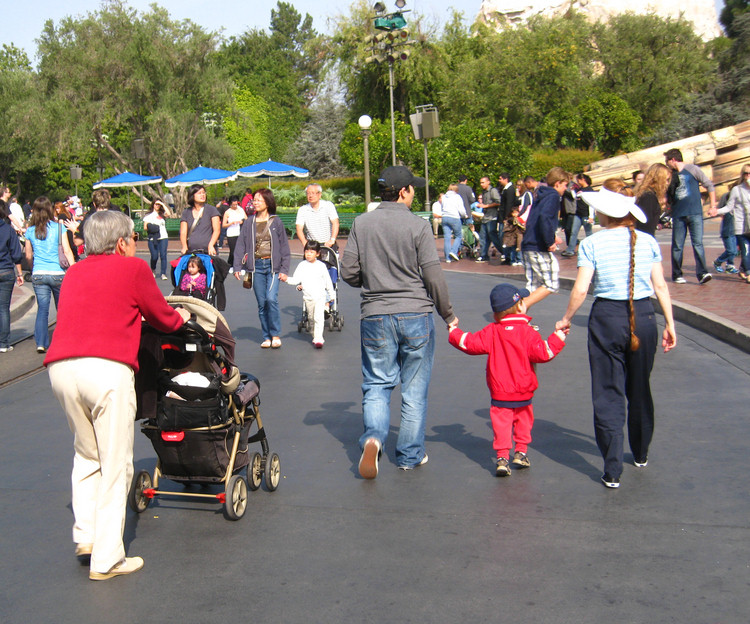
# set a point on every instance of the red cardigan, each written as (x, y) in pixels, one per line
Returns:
(102, 300)
(513, 346)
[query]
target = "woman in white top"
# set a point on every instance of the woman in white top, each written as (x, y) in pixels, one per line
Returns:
(234, 216)
(158, 238)
(625, 267)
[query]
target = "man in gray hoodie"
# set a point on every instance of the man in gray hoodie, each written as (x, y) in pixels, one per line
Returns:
(391, 255)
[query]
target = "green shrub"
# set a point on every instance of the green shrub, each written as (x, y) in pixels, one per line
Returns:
(572, 160)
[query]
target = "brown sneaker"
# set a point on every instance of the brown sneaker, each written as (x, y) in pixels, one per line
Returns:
(126, 566)
(521, 460)
(368, 463)
(84, 550)
(502, 468)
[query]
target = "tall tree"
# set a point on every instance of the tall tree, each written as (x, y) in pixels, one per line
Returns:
(20, 147)
(283, 67)
(645, 60)
(115, 75)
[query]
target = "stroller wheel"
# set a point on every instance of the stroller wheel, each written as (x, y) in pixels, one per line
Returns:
(340, 323)
(273, 471)
(300, 325)
(255, 472)
(136, 499)
(235, 502)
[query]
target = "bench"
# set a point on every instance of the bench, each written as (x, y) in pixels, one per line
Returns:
(345, 221)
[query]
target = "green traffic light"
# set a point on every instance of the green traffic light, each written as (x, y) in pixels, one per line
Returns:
(395, 21)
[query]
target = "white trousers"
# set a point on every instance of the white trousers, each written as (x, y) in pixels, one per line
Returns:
(98, 397)
(316, 312)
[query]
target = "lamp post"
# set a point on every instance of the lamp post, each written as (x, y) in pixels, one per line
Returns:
(76, 173)
(365, 122)
(387, 46)
(425, 125)
(139, 151)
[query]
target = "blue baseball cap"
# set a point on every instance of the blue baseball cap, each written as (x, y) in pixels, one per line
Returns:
(505, 296)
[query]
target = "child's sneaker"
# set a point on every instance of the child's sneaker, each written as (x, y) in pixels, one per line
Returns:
(502, 468)
(718, 267)
(732, 269)
(521, 460)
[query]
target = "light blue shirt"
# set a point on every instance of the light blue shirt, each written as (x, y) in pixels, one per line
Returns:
(608, 253)
(45, 251)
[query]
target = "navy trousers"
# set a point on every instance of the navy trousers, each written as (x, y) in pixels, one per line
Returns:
(620, 379)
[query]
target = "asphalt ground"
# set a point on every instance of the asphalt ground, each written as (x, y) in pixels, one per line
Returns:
(447, 542)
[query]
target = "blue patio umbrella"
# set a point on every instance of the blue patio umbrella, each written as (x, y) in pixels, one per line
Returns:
(125, 179)
(274, 169)
(201, 175)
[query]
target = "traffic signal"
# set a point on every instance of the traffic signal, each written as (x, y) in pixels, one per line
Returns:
(394, 21)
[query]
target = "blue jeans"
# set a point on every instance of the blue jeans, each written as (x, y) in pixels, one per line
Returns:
(266, 287)
(744, 242)
(158, 249)
(730, 251)
(680, 227)
(397, 347)
(575, 228)
(489, 235)
(451, 227)
(7, 279)
(45, 287)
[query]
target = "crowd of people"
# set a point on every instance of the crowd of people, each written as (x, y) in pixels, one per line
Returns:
(391, 256)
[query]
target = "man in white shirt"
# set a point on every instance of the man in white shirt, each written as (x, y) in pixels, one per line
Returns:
(317, 220)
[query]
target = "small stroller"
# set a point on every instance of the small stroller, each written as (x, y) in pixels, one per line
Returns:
(334, 317)
(469, 244)
(199, 411)
(216, 272)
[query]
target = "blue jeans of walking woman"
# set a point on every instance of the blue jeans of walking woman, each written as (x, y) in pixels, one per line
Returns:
(158, 249)
(46, 287)
(451, 227)
(7, 280)
(397, 348)
(266, 287)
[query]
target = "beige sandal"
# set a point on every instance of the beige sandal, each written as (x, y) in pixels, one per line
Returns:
(276, 342)
(265, 344)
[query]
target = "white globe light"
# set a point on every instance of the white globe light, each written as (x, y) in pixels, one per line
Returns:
(365, 121)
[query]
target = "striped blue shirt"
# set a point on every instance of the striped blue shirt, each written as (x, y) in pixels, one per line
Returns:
(608, 253)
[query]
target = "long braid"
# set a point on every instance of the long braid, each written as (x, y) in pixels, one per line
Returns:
(634, 342)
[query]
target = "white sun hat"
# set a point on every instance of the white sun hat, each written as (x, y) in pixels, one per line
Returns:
(613, 204)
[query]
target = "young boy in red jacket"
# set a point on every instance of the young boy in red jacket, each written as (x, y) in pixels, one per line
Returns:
(514, 346)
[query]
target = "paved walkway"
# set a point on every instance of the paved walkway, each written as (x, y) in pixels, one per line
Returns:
(720, 307)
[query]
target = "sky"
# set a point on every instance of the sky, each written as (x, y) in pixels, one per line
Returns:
(23, 21)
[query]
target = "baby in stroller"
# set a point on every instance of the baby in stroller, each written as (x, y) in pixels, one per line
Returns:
(312, 277)
(194, 282)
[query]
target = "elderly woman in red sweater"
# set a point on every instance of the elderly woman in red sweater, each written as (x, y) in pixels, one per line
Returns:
(92, 374)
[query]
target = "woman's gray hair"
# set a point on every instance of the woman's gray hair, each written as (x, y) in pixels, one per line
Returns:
(103, 229)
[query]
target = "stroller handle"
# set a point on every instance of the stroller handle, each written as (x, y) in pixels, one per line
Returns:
(193, 325)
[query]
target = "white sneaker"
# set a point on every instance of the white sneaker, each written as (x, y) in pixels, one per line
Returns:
(368, 463)
(679, 280)
(126, 566)
(164, 277)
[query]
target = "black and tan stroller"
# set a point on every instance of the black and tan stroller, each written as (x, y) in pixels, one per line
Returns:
(198, 412)
(334, 319)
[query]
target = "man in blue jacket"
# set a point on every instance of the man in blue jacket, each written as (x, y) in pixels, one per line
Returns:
(687, 213)
(540, 240)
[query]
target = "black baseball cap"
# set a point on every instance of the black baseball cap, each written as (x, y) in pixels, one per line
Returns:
(396, 178)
